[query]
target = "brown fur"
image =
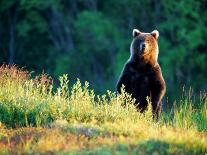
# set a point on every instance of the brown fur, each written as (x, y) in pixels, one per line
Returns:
(142, 74)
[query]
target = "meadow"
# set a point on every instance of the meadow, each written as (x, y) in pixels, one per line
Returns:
(36, 118)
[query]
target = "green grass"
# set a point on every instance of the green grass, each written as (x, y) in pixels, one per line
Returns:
(36, 119)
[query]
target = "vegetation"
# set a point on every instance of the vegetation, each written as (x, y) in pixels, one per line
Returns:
(90, 40)
(35, 118)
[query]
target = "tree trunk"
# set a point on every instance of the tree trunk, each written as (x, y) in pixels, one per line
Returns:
(12, 31)
(60, 33)
(157, 8)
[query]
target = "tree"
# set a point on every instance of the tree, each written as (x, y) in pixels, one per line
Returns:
(97, 44)
(183, 44)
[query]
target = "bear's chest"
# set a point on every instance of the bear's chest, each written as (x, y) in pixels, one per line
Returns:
(138, 77)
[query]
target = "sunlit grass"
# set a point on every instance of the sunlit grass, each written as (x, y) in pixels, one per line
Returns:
(35, 118)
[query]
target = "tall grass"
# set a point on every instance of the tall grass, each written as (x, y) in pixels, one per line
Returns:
(25, 101)
(33, 102)
(189, 112)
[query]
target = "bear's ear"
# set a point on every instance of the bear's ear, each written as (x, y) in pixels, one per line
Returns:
(155, 34)
(135, 32)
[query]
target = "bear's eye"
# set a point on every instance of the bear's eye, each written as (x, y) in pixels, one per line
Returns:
(147, 41)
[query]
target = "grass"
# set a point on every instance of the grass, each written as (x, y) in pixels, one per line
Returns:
(35, 118)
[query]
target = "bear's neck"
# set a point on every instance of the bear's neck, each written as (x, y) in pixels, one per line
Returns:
(143, 62)
(150, 60)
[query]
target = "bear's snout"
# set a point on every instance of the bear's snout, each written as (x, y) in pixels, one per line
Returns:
(142, 46)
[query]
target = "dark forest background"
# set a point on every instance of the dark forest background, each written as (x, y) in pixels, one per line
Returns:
(90, 39)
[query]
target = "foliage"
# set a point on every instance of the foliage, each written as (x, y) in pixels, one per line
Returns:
(91, 39)
(89, 121)
(183, 43)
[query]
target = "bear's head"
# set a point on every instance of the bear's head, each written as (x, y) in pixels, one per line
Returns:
(144, 47)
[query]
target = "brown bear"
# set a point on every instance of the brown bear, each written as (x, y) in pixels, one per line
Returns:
(142, 75)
